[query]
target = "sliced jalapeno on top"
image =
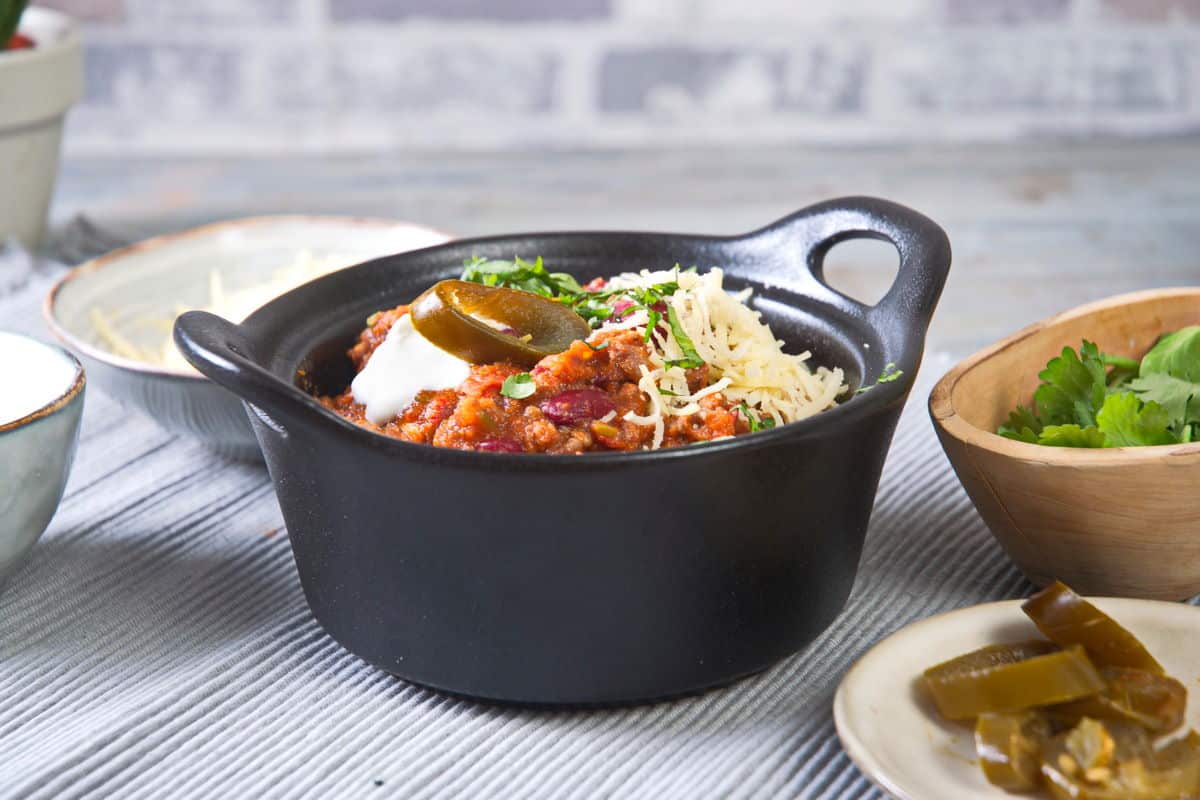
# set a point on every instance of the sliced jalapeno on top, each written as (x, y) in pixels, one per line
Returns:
(1066, 619)
(486, 324)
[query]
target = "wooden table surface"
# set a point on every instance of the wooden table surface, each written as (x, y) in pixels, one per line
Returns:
(1035, 228)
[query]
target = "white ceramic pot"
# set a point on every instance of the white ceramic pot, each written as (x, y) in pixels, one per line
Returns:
(37, 87)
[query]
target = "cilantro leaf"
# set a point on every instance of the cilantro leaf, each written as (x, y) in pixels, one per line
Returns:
(691, 359)
(1176, 354)
(518, 274)
(1073, 387)
(1179, 397)
(756, 422)
(1022, 425)
(1123, 370)
(1071, 436)
(889, 374)
(532, 276)
(1152, 402)
(652, 319)
(1127, 422)
(565, 283)
(518, 386)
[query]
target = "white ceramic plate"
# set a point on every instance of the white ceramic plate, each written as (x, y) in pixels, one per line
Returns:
(892, 732)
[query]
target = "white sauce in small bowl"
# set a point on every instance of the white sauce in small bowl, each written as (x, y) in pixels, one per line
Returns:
(34, 376)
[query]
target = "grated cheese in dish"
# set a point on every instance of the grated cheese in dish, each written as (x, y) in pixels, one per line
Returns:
(233, 305)
(746, 362)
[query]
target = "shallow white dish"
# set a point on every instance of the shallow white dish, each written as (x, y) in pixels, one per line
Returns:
(891, 730)
(151, 280)
(40, 411)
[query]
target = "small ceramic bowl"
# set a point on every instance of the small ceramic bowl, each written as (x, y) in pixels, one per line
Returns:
(136, 293)
(1120, 521)
(39, 427)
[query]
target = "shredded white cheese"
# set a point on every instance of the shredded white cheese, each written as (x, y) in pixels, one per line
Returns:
(746, 362)
(234, 305)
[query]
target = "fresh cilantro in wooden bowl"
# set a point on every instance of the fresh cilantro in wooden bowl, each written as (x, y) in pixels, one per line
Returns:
(1093, 399)
(1093, 477)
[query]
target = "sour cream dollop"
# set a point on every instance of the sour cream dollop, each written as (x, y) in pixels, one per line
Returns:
(405, 364)
(40, 375)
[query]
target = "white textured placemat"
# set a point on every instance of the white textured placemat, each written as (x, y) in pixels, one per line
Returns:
(158, 644)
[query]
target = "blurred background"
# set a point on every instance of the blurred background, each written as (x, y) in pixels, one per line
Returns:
(352, 76)
(1055, 140)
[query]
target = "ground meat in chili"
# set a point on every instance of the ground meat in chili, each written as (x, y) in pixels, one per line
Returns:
(581, 398)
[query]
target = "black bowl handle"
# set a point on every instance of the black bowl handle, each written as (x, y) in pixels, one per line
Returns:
(923, 246)
(221, 352)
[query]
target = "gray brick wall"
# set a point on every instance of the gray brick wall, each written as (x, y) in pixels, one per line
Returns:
(349, 75)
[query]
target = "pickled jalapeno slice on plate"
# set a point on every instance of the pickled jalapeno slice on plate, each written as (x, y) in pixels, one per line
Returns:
(1151, 700)
(1009, 746)
(1117, 761)
(1067, 619)
(1011, 677)
(1089, 714)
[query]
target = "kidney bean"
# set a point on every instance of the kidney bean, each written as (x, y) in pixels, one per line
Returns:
(575, 405)
(500, 446)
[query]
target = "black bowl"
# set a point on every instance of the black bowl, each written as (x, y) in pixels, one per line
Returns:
(598, 578)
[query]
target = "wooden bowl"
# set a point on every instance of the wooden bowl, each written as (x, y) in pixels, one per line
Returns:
(1118, 521)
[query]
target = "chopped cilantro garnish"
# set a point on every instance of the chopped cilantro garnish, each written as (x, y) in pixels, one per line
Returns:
(520, 274)
(691, 359)
(652, 319)
(889, 374)
(518, 386)
(596, 347)
(532, 276)
(756, 422)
